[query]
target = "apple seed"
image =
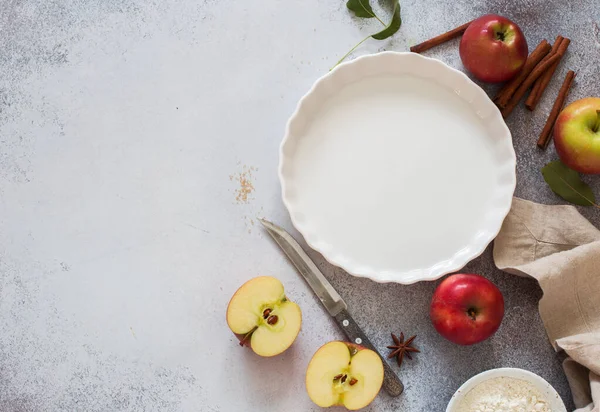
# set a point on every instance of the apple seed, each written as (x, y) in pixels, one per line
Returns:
(344, 378)
(272, 320)
(353, 381)
(336, 377)
(266, 313)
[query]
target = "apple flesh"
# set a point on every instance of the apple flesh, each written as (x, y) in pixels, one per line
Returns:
(262, 317)
(493, 48)
(467, 309)
(345, 374)
(577, 135)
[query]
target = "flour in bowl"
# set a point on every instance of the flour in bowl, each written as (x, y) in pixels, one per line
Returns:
(504, 395)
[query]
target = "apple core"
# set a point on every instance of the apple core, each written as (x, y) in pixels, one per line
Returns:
(262, 317)
(345, 374)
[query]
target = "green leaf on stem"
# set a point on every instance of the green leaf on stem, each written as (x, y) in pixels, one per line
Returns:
(567, 184)
(394, 25)
(362, 8)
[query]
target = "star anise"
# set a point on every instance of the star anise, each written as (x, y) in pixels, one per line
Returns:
(401, 348)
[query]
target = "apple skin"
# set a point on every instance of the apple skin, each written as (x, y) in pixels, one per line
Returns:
(577, 135)
(466, 309)
(493, 48)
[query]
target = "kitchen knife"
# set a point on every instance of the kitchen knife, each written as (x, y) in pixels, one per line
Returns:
(332, 301)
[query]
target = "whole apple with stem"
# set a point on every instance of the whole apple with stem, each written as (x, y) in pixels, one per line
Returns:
(493, 48)
(466, 309)
(344, 374)
(262, 317)
(577, 135)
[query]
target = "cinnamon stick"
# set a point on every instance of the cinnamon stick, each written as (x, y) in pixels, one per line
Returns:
(558, 104)
(442, 38)
(527, 83)
(504, 95)
(555, 46)
(540, 84)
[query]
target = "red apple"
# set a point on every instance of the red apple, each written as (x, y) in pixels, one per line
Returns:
(493, 48)
(467, 309)
(577, 135)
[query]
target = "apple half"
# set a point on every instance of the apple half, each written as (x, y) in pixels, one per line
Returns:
(345, 374)
(262, 317)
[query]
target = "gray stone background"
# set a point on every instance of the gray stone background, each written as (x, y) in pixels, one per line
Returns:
(125, 127)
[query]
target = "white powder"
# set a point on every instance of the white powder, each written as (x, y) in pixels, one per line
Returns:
(504, 395)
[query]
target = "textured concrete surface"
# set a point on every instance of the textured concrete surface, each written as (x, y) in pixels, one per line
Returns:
(128, 130)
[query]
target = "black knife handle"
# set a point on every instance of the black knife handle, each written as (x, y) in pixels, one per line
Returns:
(391, 382)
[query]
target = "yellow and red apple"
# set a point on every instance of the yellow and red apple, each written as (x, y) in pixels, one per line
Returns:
(577, 135)
(344, 374)
(493, 48)
(467, 309)
(262, 317)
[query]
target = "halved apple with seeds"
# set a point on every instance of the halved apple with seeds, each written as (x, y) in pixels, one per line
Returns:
(261, 316)
(342, 373)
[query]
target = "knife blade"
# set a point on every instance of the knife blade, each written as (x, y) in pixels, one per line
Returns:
(328, 296)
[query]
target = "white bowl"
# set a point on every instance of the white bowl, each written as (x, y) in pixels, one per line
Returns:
(550, 394)
(397, 167)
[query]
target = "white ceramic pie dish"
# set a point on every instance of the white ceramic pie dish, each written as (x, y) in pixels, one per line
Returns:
(397, 167)
(550, 395)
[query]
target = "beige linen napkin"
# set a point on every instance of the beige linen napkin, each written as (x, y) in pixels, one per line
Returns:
(561, 249)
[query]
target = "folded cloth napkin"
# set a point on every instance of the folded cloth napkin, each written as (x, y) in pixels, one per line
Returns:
(561, 249)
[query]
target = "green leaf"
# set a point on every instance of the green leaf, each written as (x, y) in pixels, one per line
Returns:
(361, 8)
(567, 184)
(394, 25)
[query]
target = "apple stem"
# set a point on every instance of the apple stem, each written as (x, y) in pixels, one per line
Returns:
(597, 125)
(247, 336)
